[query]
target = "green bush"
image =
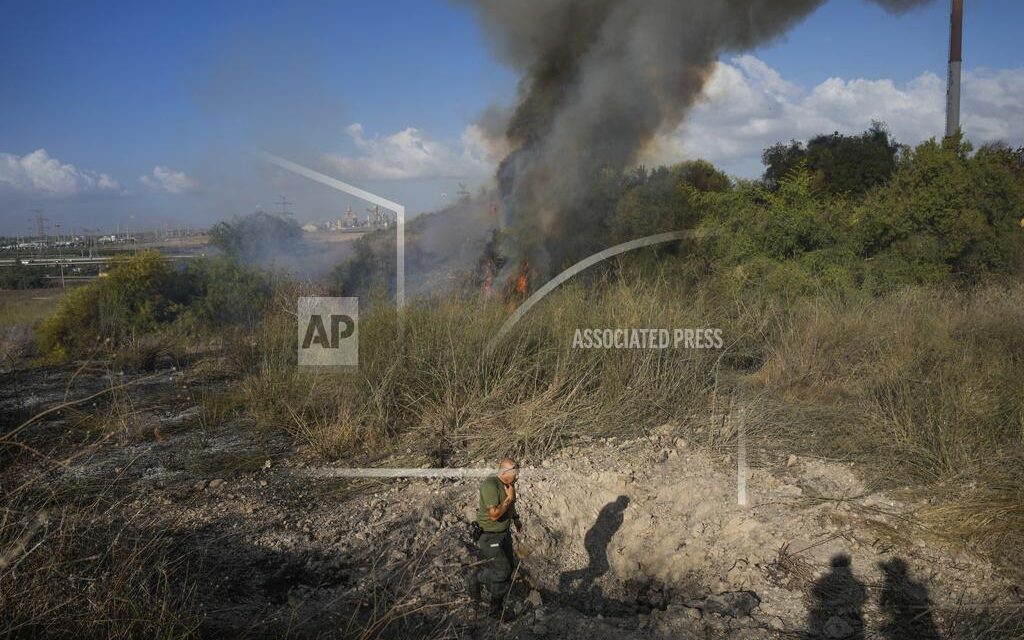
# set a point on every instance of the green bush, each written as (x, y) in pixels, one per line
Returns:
(19, 276)
(144, 294)
(665, 199)
(945, 212)
(257, 237)
(136, 296)
(945, 215)
(224, 293)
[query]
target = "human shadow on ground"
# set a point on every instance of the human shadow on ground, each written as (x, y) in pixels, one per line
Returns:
(596, 542)
(838, 609)
(578, 589)
(839, 598)
(905, 604)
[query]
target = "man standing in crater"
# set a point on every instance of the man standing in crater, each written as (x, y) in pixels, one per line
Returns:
(496, 513)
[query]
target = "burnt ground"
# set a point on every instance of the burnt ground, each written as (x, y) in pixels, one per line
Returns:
(623, 539)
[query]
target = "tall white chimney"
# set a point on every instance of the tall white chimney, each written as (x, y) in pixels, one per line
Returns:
(956, 36)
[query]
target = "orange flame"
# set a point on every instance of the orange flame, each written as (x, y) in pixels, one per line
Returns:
(522, 282)
(488, 284)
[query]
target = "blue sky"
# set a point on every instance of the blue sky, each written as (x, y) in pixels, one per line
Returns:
(118, 89)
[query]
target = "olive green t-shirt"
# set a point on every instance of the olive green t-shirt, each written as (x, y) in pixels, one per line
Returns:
(492, 493)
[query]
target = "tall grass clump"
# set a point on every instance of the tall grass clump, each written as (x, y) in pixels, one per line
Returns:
(924, 391)
(440, 388)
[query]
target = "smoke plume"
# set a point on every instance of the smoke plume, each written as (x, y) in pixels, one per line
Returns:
(600, 79)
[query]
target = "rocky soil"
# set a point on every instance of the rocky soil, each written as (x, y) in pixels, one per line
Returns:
(623, 539)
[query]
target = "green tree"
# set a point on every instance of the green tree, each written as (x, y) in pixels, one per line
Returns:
(225, 293)
(666, 199)
(259, 237)
(791, 241)
(946, 212)
(839, 163)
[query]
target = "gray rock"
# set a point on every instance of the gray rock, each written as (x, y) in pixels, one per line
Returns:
(535, 598)
(733, 604)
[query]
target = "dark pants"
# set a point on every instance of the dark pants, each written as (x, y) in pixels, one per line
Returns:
(499, 561)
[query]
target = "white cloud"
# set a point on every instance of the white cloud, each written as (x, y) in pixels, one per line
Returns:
(166, 179)
(410, 153)
(38, 174)
(748, 106)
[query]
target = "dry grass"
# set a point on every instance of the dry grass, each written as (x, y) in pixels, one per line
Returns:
(217, 407)
(926, 391)
(20, 311)
(921, 388)
(26, 307)
(392, 604)
(87, 568)
(115, 415)
(439, 390)
(76, 560)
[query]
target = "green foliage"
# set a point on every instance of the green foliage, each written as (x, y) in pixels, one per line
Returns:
(20, 276)
(838, 163)
(666, 199)
(844, 213)
(788, 241)
(137, 295)
(257, 237)
(945, 212)
(225, 293)
(144, 294)
(372, 267)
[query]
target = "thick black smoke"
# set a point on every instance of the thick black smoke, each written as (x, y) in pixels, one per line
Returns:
(601, 78)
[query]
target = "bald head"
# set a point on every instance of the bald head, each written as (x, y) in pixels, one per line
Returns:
(508, 470)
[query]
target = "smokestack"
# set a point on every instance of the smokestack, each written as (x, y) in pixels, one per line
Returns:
(956, 33)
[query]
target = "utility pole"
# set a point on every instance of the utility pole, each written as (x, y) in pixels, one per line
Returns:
(40, 222)
(90, 238)
(956, 37)
(284, 206)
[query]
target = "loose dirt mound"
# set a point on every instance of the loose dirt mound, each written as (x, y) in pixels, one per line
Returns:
(650, 534)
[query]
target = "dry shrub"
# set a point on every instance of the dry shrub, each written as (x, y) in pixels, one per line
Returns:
(391, 602)
(115, 415)
(152, 351)
(217, 407)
